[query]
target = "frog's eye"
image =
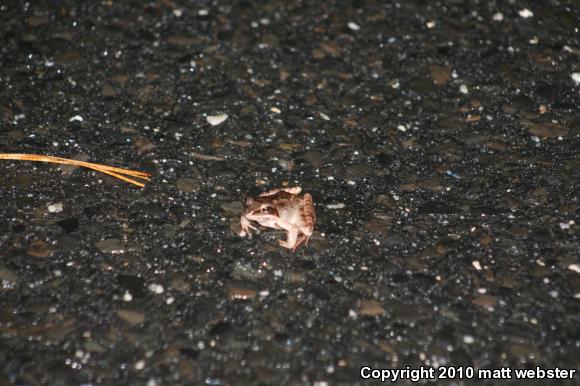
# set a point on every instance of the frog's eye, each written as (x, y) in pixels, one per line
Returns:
(270, 210)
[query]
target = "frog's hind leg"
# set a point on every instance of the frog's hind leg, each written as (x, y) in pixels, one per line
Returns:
(290, 242)
(302, 239)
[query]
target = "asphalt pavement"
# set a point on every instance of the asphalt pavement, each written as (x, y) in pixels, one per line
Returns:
(440, 142)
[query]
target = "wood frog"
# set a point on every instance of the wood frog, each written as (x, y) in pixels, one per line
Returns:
(281, 209)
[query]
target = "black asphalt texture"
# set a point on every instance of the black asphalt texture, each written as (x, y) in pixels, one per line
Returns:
(440, 141)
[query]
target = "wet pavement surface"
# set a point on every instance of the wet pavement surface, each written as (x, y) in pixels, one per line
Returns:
(440, 141)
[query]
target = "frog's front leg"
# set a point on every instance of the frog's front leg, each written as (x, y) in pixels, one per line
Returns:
(246, 226)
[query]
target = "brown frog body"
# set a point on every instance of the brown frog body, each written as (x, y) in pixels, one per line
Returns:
(282, 209)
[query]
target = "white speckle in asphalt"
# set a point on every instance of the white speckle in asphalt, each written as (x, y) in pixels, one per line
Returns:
(353, 26)
(55, 208)
(215, 120)
(526, 13)
(127, 297)
(156, 288)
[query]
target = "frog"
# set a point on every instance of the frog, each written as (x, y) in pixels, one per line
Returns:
(281, 209)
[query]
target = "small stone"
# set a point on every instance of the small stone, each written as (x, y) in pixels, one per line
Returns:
(233, 207)
(486, 301)
(371, 307)
(76, 118)
(336, 206)
(353, 26)
(156, 288)
(380, 226)
(548, 130)
(39, 248)
(526, 13)
(215, 120)
(140, 365)
(576, 77)
(486, 240)
(55, 208)
(69, 225)
(132, 317)
(241, 293)
(180, 284)
(574, 267)
(92, 346)
(187, 185)
(463, 89)
(183, 40)
(468, 339)
(127, 297)
(476, 265)
(68, 57)
(498, 16)
(439, 74)
(108, 91)
(289, 147)
(68, 169)
(113, 246)
(7, 276)
(143, 145)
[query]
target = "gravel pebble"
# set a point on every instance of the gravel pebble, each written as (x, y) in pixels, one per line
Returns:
(216, 120)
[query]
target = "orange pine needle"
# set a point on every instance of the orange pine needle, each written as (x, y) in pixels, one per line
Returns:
(110, 170)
